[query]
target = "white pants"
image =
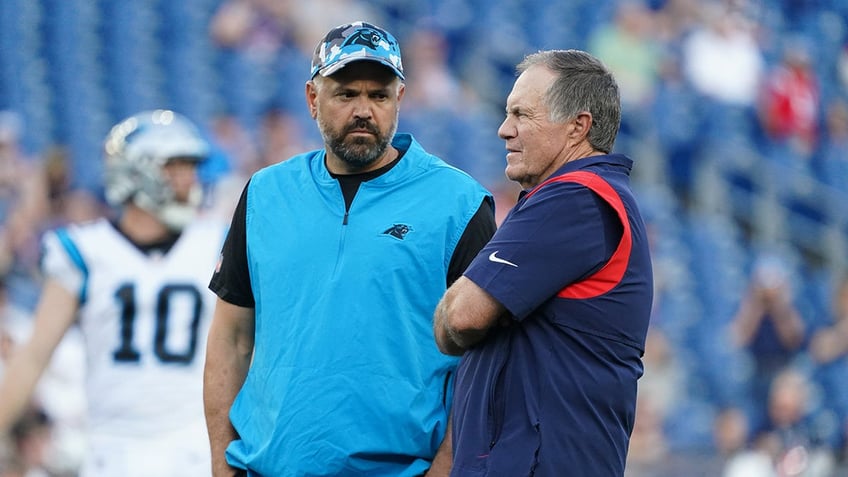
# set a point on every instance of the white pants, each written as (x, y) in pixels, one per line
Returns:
(179, 453)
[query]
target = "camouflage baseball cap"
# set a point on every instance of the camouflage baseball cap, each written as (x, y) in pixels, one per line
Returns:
(353, 42)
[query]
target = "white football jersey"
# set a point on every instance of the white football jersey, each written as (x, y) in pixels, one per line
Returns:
(144, 319)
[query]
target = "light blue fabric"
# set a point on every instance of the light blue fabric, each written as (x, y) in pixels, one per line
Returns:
(346, 378)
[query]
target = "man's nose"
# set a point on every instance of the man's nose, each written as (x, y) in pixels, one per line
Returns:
(362, 107)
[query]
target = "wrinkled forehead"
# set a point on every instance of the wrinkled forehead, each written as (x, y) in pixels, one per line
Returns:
(530, 88)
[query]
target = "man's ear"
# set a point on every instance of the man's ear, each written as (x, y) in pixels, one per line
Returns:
(580, 126)
(312, 98)
(400, 91)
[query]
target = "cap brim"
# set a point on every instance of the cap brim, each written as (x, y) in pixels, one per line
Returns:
(336, 66)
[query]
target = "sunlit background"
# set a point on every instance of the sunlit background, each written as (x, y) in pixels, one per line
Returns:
(736, 113)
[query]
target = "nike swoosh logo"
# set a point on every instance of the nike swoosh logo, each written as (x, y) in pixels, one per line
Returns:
(494, 258)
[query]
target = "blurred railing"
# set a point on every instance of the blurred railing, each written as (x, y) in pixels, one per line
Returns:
(777, 202)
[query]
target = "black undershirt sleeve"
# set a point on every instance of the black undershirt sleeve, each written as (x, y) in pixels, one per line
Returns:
(477, 233)
(231, 280)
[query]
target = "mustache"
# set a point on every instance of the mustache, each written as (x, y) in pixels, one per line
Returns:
(363, 124)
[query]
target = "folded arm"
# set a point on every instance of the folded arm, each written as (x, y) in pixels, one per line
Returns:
(464, 315)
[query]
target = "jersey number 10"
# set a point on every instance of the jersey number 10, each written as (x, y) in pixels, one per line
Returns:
(127, 351)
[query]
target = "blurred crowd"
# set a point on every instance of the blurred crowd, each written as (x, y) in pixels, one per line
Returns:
(746, 364)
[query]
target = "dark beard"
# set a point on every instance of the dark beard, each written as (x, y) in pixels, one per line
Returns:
(360, 151)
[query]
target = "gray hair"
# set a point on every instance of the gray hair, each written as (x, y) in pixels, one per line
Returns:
(583, 84)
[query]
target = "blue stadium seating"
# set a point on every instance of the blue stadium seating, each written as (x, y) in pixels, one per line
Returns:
(77, 66)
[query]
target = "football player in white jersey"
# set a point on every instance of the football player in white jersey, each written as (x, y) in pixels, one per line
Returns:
(137, 287)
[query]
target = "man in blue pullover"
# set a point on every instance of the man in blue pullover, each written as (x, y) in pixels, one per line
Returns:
(321, 358)
(551, 317)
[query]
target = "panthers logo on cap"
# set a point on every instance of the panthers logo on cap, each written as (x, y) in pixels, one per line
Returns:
(366, 37)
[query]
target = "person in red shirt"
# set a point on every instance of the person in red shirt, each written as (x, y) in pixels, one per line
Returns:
(790, 102)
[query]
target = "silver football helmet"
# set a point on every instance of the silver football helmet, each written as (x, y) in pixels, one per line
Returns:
(136, 150)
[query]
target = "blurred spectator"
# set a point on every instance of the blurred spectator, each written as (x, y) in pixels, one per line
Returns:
(281, 136)
(791, 437)
(313, 18)
(433, 84)
(18, 187)
(722, 58)
(769, 327)
(256, 41)
(23, 207)
(31, 440)
(830, 343)
(234, 142)
(789, 105)
(675, 19)
(57, 180)
(790, 442)
(730, 433)
(842, 67)
(66, 203)
(829, 351)
(674, 114)
(629, 48)
(663, 382)
(648, 444)
(256, 26)
(832, 160)
(445, 113)
(661, 389)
